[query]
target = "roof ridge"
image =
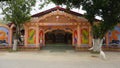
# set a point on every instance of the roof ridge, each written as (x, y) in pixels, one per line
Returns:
(54, 9)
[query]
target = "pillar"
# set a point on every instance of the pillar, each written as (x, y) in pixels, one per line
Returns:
(78, 33)
(26, 37)
(37, 36)
(11, 35)
(90, 37)
(107, 39)
(43, 38)
(73, 38)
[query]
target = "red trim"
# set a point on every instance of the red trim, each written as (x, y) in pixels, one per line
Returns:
(54, 9)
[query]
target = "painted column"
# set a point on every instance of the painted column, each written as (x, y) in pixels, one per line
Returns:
(78, 33)
(90, 37)
(73, 38)
(43, 38)
(107, 40)
(11, 35)
(26, 37)
(37, 36)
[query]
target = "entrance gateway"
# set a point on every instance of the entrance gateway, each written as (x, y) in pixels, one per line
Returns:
(57, 25)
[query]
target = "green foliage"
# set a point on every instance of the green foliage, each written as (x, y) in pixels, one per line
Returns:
(3, 0)
(45, 3)
(108, 10)
(68, 3)
(17, 12)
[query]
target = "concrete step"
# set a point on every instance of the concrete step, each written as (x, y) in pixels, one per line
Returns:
(58, 47)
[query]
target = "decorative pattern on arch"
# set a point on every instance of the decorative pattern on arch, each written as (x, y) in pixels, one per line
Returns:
(41, 37)
(31, 36)
(59, 13)
(114, 36)
(65, 29)
(4, 35)
(75, 37)
(85, 35)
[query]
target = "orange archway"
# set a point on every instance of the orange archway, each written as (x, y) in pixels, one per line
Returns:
(59, 23)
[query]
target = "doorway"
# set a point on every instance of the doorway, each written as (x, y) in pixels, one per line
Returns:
(58, 37)
(58, 40)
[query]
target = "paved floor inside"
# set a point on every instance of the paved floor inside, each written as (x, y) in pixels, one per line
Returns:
(58, 47)
(58, 59)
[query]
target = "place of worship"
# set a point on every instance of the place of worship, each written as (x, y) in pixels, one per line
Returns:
(54, 26)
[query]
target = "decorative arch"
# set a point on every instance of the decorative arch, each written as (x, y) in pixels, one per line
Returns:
(66, 30)
(52, 35)
(4, 34)
(3, 25)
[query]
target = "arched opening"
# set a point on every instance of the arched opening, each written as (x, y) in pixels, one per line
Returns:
(58, 36)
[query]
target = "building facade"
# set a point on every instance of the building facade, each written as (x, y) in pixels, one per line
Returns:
(57, 25)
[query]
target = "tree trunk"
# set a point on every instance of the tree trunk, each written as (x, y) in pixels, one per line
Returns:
(15, 45)
(97, 47)
(16, 38)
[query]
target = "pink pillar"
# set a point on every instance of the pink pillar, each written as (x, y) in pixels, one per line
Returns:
(73, 38)
(43, 38)
(26, 37)
(107, 38)
(11, 35)
(37, 36)
(90, 37)
(78, 33)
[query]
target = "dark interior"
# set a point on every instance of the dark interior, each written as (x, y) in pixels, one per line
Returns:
(58, 36)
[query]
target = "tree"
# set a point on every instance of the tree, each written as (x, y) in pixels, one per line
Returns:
(17, 12)
(3, 0)
(108, 10)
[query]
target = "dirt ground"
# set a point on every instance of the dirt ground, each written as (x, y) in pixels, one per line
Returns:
(67, 59)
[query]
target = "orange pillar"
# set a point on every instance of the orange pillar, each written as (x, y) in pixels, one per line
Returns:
(107, 38)
(73, 38)
(26, 37)
(90, 37)
(79, 34)
(11, 35)
(37, 36)
(43, 38)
